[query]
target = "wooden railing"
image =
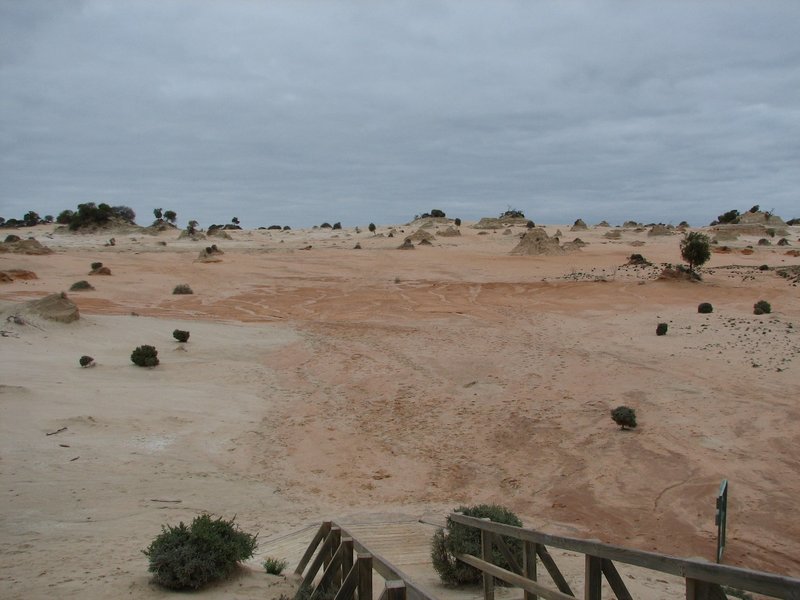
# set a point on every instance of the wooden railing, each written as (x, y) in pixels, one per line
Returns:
(704, 580)
(347, 567)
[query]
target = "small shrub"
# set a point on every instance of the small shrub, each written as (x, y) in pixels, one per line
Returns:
(274, 566)
(337, 225)
(182, 288)
(762, 307)
(662, 329)
(371, 227)
(86, 361)
(96, 265)
(460, 539)
(145, 356)
(457, 222)
(181, 335)
(705, 308)
(624, 416)
(763, 268)
(188, 558)
(80, 285)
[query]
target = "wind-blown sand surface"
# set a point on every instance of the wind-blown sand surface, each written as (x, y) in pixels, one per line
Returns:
(334, 381)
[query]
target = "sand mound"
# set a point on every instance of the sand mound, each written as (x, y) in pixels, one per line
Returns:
(406, 245)
(10, 275)
(678, 274)
(55, 307)
(761, 218)
(614, 234)
(25, 247)
(421, 235)
(603, 224)
(100, 271)
(579, 225)
(575, 244)
(536, 242)
(630, 224)
(495, 223)
(659, 230)
(429, 222)
(219, 233)
(195, 237)
(449, 232)
(211, 254)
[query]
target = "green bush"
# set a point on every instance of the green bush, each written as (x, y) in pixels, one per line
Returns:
(762, 307)
(695, 249)
(187, 558)
(181, 335)
(624, 416)
(145, 356)
(705, 308)
(274, 566)
(662, 329)
(182, 288)
(85, 361)
(80, 285)
(461, 539)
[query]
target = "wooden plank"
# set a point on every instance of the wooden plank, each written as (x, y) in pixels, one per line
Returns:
(529, 564)
(507, 554)
(513, 578)
(615, 581)
(553, 570)
(347, 555)
(348, 585)
(318, 560)
(336, 538)
(389, 572)
(486, 555)
(364, 565)
(334, 568)
(769, 584)
(593, 578)
(318, 537)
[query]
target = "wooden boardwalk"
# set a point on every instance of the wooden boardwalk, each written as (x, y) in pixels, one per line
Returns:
(404, 540)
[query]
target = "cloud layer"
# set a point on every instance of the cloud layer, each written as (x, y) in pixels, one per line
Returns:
(309, 111)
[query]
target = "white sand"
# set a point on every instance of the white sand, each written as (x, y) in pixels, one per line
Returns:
(328, 381)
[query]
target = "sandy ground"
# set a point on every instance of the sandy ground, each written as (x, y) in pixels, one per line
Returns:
(328, 381)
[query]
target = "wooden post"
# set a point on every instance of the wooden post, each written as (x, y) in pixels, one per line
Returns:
(395, 590)
(486, 555)
(529, 564)
(347, 556)
(336, 537)
(593, 586)
(364, 563)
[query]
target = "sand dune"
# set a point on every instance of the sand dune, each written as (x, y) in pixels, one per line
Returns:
(328, 380)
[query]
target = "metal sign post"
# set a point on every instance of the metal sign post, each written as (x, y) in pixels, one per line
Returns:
(722, 518)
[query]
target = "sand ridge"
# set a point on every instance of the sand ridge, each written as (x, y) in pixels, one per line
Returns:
(324, 381)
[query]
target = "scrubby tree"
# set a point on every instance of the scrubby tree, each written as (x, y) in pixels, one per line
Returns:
(171, 216)
(624, 416)
(190, 557)
(31, 218)
(695, 249)
(235, 220)
(65, 216)
(191, 228)
(158, 213)
(371, 228)
(125, 213)
(461, 539)
(729, 218)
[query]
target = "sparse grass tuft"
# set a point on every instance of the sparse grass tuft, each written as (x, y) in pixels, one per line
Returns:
(274, 566)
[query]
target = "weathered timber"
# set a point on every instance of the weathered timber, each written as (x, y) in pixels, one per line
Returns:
(769, 584)
(364, 564)
(553, 570)
(529, 562)
(593, 578)
(312, 547)
(486, 555)
(615, 581)
(513, 578)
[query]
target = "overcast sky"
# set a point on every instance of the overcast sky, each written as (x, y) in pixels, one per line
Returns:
(308, 111)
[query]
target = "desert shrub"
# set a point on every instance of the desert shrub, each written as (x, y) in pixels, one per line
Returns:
(274, 227)
(287, 228)
(624, 416)
(730, 217)
(512, 213)
(662, 329)
(371, 227)
(96, 265)
(705, 308)
(187, 558)
(145, 356)
(64, 217)
(337, 225)
(438, 213)
(762, 307)
(182, 288)
(89, 214)
(763, 268)
(181, 335)
(85, 361)
(695, 249)
(80, 285)
(457, 222)
(170, 216)
(461, 539)
(325, 225)
(274, 566)
(530, 224)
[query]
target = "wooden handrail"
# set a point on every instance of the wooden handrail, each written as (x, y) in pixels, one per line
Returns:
(769, 584)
